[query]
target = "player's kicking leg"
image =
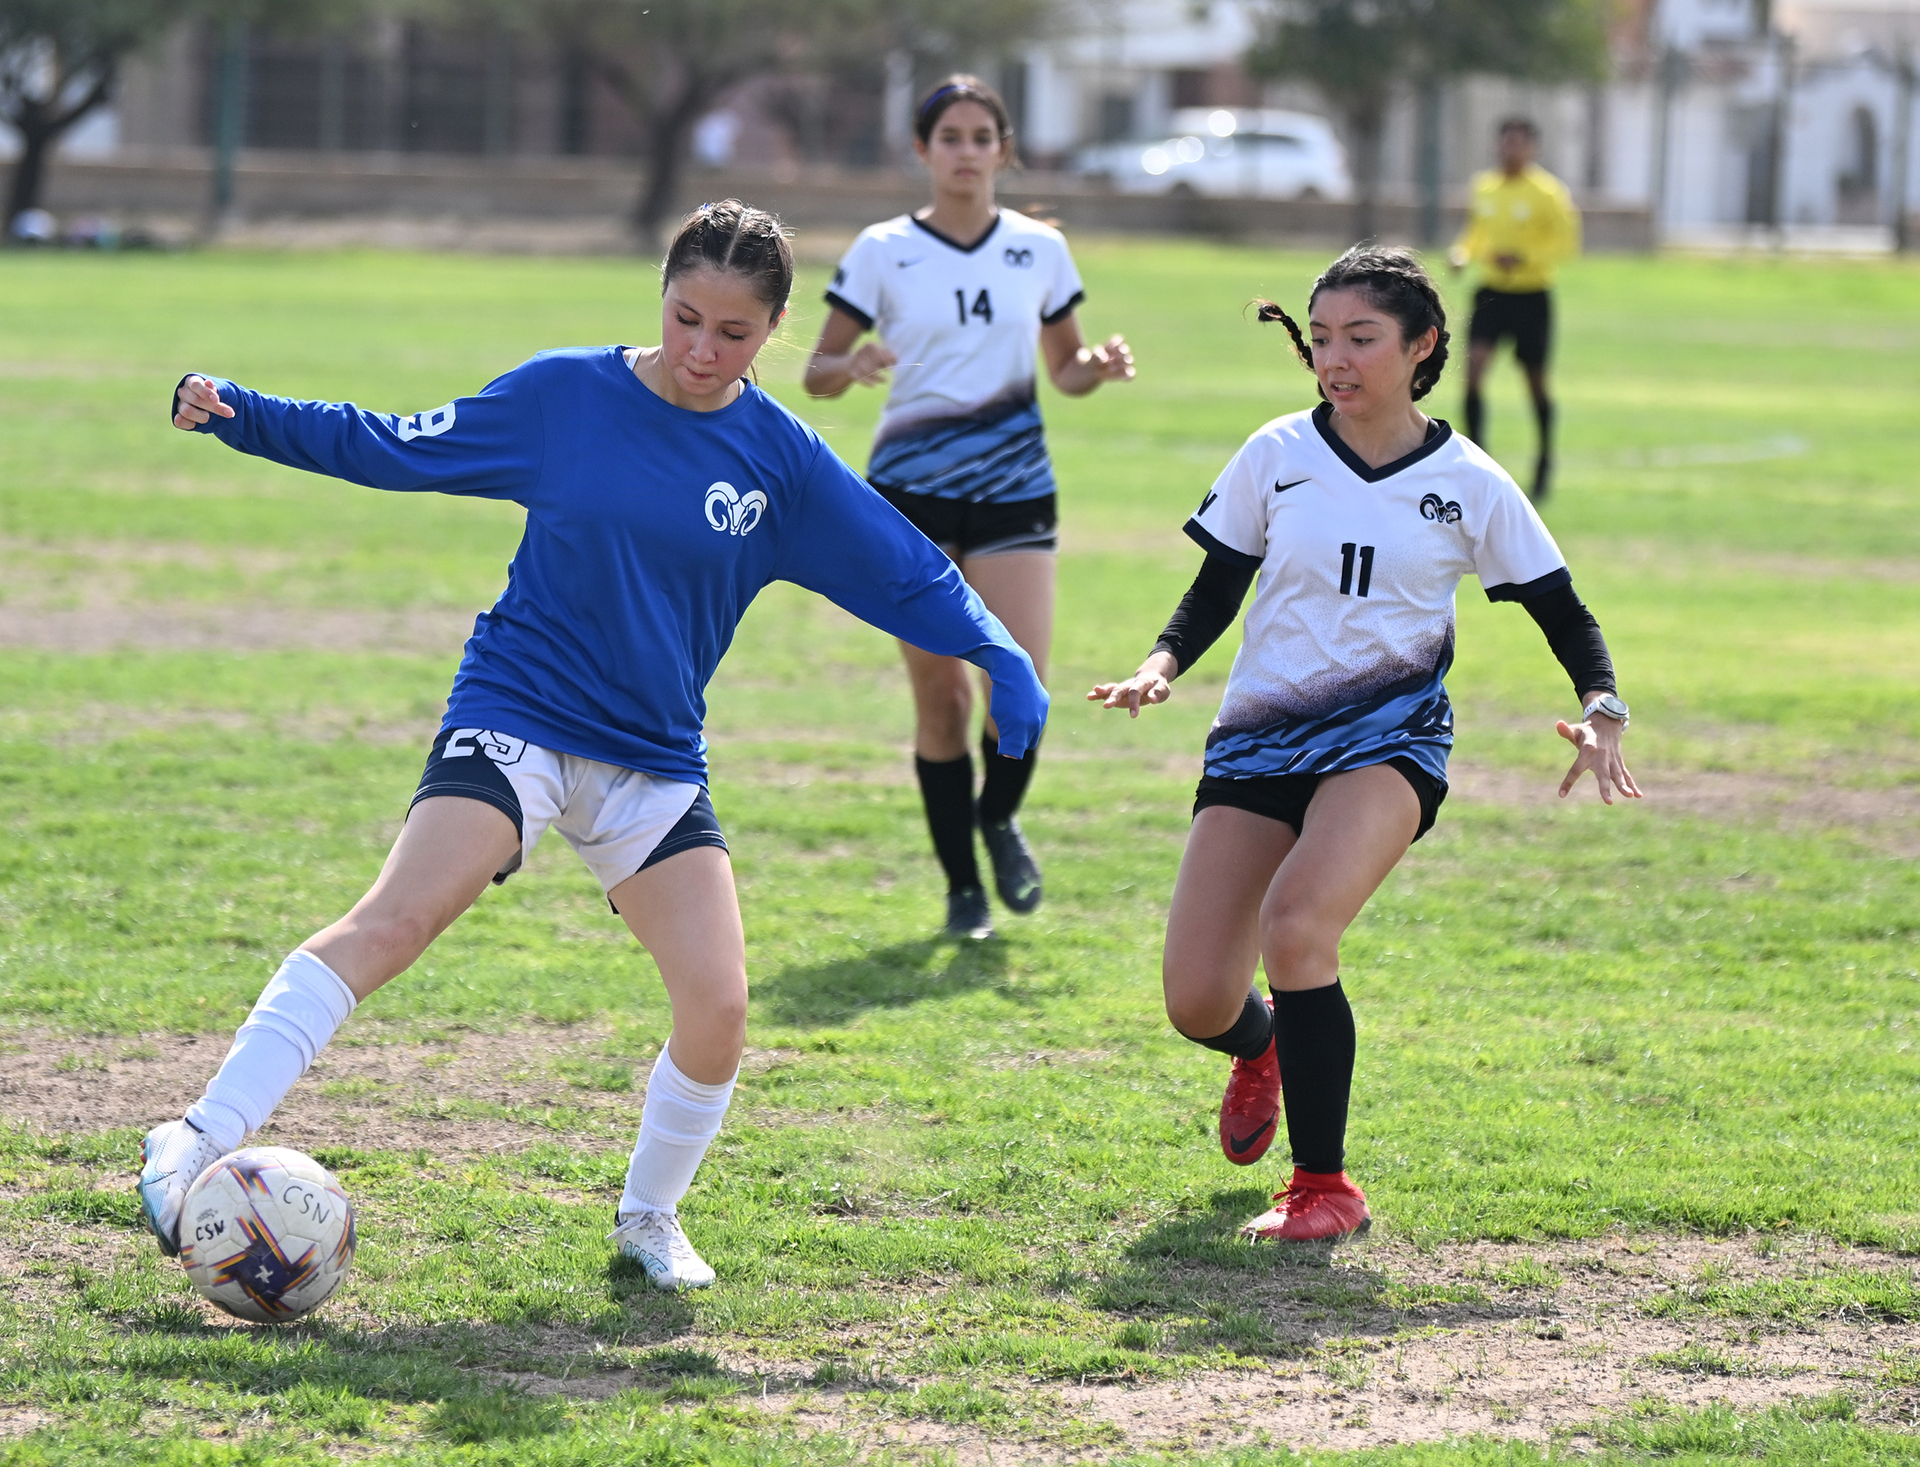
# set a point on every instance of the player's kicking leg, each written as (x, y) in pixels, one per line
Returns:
(1357, 827)
(447, 851)
(685, 913)
(1207, 969)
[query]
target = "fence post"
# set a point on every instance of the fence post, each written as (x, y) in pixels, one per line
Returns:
(1902, 146)
(230, 115)
(1429, 112)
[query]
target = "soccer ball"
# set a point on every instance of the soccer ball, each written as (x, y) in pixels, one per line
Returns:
(267, 1234)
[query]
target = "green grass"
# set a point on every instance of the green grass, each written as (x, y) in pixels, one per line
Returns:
(964, 1178)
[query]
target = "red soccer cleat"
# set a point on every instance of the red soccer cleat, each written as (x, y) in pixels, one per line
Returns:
(1316, 1206)
(1250, 1110)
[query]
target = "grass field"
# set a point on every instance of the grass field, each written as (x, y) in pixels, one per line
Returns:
(1636, 1105)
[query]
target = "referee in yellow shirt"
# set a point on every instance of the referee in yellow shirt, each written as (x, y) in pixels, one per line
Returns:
(1522, 224)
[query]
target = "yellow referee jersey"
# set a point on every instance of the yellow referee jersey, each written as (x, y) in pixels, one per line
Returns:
(1528, 220)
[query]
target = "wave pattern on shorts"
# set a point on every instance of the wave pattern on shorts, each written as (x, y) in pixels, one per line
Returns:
(988, 459)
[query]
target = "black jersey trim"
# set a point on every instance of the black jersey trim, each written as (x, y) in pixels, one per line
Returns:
(954, 244)
(1438, 433)
(841, 303)
(1197, 533)
(1527, 590)
(1065, 311)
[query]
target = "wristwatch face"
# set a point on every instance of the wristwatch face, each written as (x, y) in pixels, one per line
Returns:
(1611, 706)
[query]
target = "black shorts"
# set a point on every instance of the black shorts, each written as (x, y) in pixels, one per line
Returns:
(964, 528)
(1285, 797)
(1526, 316)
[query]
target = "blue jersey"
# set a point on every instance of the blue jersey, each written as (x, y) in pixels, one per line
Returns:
(650, 529)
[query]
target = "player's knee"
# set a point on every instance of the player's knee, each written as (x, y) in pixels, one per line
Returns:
(1295, 944)
(945, 712)
(730, 1012)
(398, 934)
(1194, 1007)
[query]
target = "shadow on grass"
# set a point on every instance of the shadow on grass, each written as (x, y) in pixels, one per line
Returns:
(1271, 1299)
(902, 973)
(454, 1368)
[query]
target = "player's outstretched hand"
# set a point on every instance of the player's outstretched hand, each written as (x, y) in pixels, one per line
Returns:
(1145, 688)
(868, 366)
(197, 401)
(1598, 743)
(1112, 360)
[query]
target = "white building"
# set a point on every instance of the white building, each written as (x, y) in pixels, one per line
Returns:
(1704, 94)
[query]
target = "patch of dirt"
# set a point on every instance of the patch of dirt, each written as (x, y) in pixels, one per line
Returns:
(373, 1091)
(192, 626)
(1527, 1361)
(376, 1094)
(1887, 817)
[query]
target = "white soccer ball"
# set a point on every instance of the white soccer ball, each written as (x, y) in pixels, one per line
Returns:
(267, 1234)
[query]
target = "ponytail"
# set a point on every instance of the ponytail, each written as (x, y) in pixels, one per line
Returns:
(1266, 311)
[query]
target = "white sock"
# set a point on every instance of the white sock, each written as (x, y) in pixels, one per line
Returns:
(294, 1017)
(677, 1124)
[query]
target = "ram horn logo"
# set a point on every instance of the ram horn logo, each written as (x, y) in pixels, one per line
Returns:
(732, 512)
(1433, 507)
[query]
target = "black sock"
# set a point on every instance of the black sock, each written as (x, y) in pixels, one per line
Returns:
(1314, 1033)
(1543, 414)
(1476, 416)
(1005, 784)
(946, 789)
(1250, 1035)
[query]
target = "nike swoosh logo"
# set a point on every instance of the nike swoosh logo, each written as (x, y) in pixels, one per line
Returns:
(1283, 488)
(1240, 1147)
(914, 261)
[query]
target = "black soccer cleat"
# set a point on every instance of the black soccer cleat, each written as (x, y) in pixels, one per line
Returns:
(1015, 875)
(967, 914)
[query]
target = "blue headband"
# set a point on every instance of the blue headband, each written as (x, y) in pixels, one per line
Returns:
(937, 93)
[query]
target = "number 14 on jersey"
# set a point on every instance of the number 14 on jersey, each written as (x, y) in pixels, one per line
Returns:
(982, 306)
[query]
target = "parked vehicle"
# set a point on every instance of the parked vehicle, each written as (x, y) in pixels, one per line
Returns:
(1228, 152)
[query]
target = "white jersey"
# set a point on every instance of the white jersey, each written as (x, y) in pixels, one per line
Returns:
(1351, 627)
(961, 420)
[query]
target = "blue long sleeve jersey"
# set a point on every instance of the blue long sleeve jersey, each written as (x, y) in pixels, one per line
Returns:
(650, 529)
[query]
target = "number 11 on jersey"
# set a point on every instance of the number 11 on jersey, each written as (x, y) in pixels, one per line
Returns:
(1346, 568)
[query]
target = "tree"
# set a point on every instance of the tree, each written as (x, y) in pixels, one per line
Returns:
(1359, 52)
(58, 62)
(669, 61)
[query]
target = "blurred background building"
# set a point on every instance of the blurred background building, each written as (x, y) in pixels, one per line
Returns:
(1697, 119)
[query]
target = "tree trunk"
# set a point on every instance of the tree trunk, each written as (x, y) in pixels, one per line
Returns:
(666, 157)
(41, 123)
(1366, 121)
(30, 172)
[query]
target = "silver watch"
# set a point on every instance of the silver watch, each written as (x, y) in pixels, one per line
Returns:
(1608, 706)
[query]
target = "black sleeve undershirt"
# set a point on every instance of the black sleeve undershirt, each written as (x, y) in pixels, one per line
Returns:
(1207, 610)
(1575, 638)
(1213, 601)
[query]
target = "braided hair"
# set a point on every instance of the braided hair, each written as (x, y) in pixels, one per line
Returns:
(1395, 282)
(739, 239)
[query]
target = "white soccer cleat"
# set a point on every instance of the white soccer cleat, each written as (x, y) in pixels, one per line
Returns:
(656, 1242)
(172, 1158)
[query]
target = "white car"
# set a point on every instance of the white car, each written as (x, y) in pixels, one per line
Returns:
(1228, 152)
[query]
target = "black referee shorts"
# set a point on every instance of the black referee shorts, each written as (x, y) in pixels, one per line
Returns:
(1526, 316)
(1285, 797)
(965, 528)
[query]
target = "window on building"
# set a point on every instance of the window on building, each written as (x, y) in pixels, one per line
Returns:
(1116, 117)
(1862, 174)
